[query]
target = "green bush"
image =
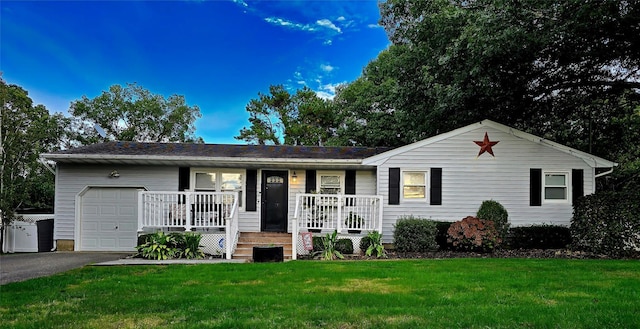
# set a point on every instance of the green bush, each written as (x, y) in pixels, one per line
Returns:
(317, 243)
(365, 242)
(441, 235)
(473, 234)
(539, 237)
(189, 245)
(495, 212)
(329, 251)
(344, 246)
(159, 246)
(607, 223)
(375, 246)
(173, 245)
(414, 234)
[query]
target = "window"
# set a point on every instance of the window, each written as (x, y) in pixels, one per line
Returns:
(555, 186)
(220, 181)
(414, 185)
(331, 182)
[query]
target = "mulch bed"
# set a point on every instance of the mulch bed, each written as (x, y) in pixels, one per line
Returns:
(503, 253)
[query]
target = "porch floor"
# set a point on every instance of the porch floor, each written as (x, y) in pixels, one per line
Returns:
(248, 240)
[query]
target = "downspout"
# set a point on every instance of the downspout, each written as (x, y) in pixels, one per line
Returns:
(604, 173)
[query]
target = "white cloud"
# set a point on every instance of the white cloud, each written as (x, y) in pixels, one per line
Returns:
(328, 91)
(289, 24)
(374, 26)
(241, 2)
(325, 95)
(328, 42)
(328, 24)
(340, 19)
(326, 67)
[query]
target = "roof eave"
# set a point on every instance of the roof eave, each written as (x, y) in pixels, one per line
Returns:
(202, 161)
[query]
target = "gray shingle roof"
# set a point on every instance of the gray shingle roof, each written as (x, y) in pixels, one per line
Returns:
(224, 150)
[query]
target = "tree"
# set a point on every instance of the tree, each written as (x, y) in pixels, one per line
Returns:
(281, 118)
(132, 113)
(565, 70)
(25, 132)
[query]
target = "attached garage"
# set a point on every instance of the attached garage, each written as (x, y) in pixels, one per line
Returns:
(108, 219)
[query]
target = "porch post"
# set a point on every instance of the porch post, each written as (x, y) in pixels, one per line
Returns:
(294, 238)
(339, 213)
(227, 238)
(189, 207)
(380, 214)
(140, 210)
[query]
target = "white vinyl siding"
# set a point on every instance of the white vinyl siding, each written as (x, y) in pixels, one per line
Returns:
(71, 180)
(469, 179)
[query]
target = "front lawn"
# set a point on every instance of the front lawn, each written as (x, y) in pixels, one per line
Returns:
(448, 293)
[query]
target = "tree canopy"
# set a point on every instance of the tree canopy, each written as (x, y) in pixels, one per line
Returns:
(25, 131)
(133, 113)
(282, 118)
(565, 70)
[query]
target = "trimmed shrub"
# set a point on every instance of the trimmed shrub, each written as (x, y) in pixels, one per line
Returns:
(415, 235)
(607, 223)
(441, 235)
(539, 237)
(495, 212)
(365, 242)
(344, 246)
(317, 243)
(473, 234)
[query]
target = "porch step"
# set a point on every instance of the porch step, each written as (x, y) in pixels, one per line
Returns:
(248, 240)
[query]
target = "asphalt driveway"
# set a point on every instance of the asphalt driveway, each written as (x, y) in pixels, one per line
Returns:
(25, 266)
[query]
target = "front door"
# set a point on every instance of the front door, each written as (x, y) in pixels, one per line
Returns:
(275, 193)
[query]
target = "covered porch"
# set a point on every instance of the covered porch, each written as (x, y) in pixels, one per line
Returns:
(208, 212)
(216, 214)
(351, 216)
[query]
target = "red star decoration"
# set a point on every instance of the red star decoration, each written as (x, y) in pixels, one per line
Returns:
(486, 145)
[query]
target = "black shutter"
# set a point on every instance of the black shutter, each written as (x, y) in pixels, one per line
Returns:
(535, 187)
(436, 187)
(394, 185)
(350, 185)
(310, 181)
(252, 187)
(577, 183)
(350, 182)
(183, 178)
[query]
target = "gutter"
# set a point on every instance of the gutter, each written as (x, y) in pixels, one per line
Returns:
(46, 165)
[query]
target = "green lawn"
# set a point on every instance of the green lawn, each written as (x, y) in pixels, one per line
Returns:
(450, 293)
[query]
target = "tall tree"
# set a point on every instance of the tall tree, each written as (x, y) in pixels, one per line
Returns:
(132, 113)
(567, 70)
(282, 118)
(25, 132)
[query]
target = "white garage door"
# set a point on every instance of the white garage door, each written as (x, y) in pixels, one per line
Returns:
(109, 219)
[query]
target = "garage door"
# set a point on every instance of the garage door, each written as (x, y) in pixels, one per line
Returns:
(109, 219)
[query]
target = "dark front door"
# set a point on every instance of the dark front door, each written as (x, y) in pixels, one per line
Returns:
(275, 192)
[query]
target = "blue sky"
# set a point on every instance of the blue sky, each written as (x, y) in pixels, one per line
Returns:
(218, 54)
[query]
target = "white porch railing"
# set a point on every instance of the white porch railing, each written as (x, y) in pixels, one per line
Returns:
(329, 212)
(191, 210)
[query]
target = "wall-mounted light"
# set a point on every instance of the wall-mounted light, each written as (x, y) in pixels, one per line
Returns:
(114, 174)
(294, 177)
